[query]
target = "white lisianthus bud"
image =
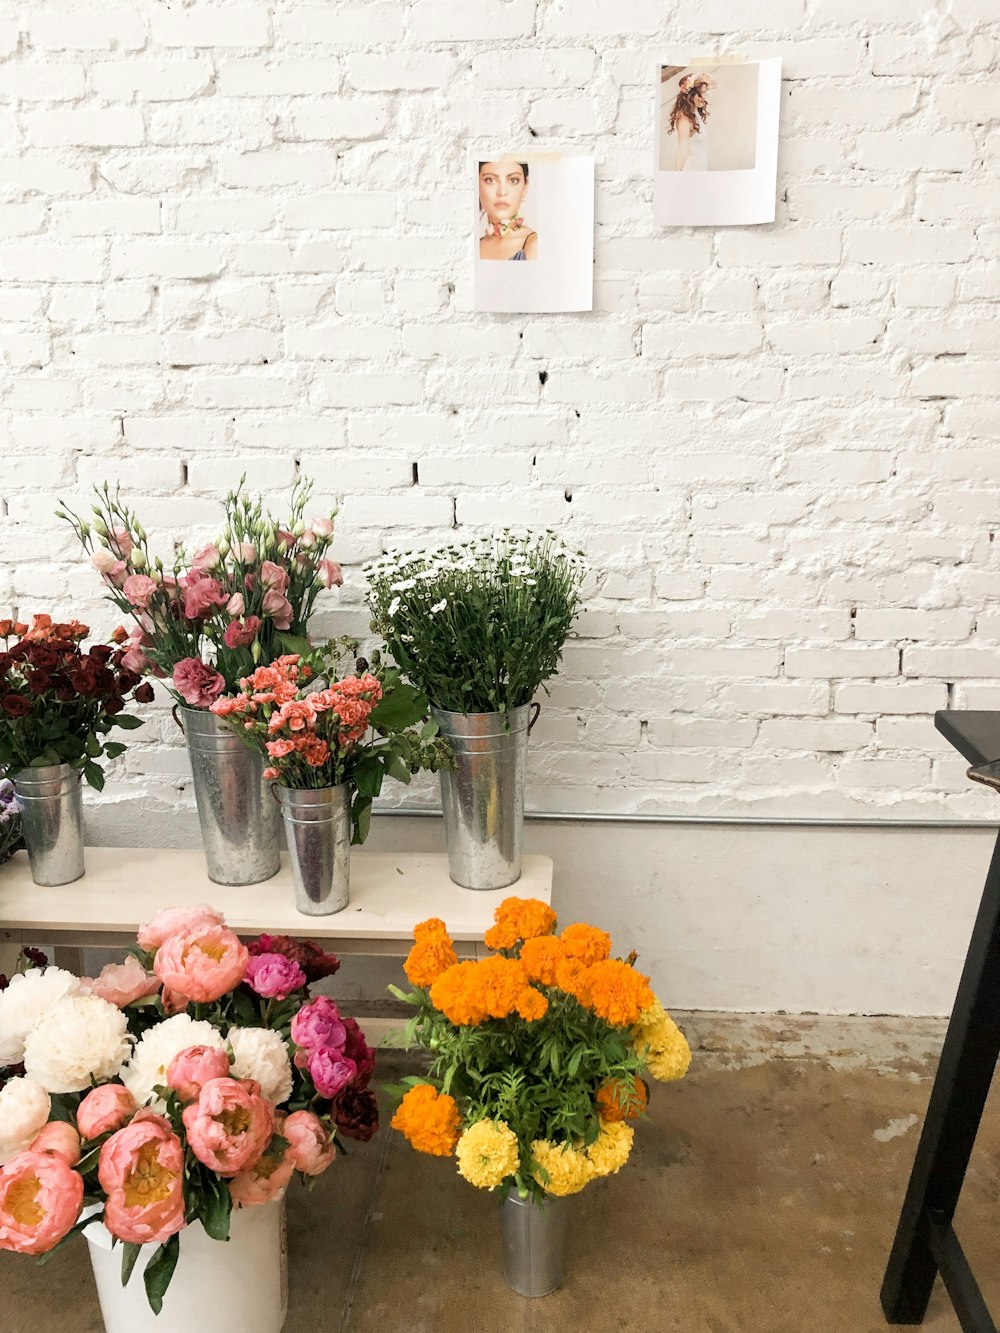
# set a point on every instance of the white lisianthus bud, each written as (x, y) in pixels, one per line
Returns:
(138, 558)
(140, 531)
(323, 527)
(308, 540)
(298, 527)
(100, 527)
(248, 552)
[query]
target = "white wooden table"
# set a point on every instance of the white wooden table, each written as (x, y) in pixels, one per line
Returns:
(124, 886)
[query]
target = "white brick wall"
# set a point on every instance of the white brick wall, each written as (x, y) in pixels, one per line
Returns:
(234, 240)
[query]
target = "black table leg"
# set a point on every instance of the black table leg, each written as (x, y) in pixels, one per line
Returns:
(968, 1059)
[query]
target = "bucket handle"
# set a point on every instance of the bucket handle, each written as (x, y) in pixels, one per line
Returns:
(176, 716)
(538, 708)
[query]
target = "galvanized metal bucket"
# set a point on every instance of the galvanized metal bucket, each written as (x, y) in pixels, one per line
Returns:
(51, 807)
(240, 825)
(318, 833)
(483, 796)
(534, 1244)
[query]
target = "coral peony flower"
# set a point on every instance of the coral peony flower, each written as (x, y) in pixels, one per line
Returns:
(429, 1120)
(229, 1126)
(487, 1153)
(202, 963)
(59, 1138)
(192, 1068)
(141, 1169)
(40, 1200)
(261, 1054)
(122, 983)
(78, 1041)
(274, 976)
(519, 919)
(311, 1148)
(103, 1109)
(331, 1071)
(24, 1109)
(139, 590)
(174, 921)
(22, 1003)
(263, 1181)
(147, 1068)
(318, 1025)
(196, 682)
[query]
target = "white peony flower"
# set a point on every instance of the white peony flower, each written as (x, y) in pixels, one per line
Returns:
(24, 1109)
(261, 1053)
(22, 1004)
(78, 1041)
(154, 1051)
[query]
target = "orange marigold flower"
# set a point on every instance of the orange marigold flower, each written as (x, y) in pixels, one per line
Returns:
(471, 992)
(588, 943)
(571, 976)
(430, 956)
(432, 926)
(541, 957)
(532, 1004)
(519, 919)
(617, 1101)
(617, 992)
(429, 1120)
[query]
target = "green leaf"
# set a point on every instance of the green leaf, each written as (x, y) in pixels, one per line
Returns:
(216, 1209)
(127, 721)
(397, 767)
(159, 1271)
(402, 707)
(94, 776)
(362, 822)
(114, 748)
(130, 1253)
(295, 643)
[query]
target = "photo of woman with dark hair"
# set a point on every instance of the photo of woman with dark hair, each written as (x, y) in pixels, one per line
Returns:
(689, 122)
(504, 234)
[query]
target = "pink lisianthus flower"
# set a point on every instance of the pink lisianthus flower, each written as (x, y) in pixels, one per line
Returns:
(40, 1200)
(196, 682)
(273, 576)
(318, 1026)
(141, 1169)
(104, 1108)
(202, 963)
(248, 552)
(192, 1068)
(285, 538)
(323, 527)
(139, 589)
(236, 605)
(241, 633)
(123, 983)
(174, 921)
(274, 976)
(276, 605)
(59, 1138)
(229, 1126)
(134, 658)
(121, 539)
(263, 1181)
(202, 596)
(206, 558)
(331, 573)
(311, 1147)
(330, 1071)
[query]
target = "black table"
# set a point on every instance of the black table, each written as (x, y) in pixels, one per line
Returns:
(926, 1243)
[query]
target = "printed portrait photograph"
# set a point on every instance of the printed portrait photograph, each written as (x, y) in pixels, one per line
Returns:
(708, 117)
(508, 193)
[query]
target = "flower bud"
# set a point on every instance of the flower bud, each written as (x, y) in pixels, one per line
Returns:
(298, 527)
(138, 558)
(100, 527)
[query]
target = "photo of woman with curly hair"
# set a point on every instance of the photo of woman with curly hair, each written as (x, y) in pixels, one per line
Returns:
(708, 117)
(689, 122)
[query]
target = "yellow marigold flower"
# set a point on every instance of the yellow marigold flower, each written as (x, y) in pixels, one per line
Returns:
(659, 1042)
(616, 1100)
(470, 993)
(429, 1120)
(541, 956)
(617, 992)
(568, 1168)
(610, 1150)
(430, 956)
(487, 1153)
(588, 943)
(519, 919)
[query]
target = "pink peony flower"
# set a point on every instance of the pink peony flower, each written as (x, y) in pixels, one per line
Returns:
(172, 1004)
(318, 1026)
(202, 963)
(331, 1071)
(206, 558)
(141, 1169)
(103, 1109)
(263, 1181)
(229, 1126)
(59, 1138)
(122, 983)
(40, 1200)
(174, 921)
(196, 682)
(311, 1147)
(241, 633)
(274, 976)
(202, 596)
(278, 607)
(193, 1067)
(331, 573)
(139, 589)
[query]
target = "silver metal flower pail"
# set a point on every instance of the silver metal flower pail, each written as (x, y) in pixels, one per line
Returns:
(318, 833)
(240, 824)
(51, 806)
(483, 796)
(534, 1244)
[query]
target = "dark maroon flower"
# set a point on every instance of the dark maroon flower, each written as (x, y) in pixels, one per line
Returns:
(101, 652)
(358, 1050)
(38, 681)
(355, 1113)
(114, 705)
(44, 657)
(144, 694)
(15, 705)
(35, 957)
(313, 960)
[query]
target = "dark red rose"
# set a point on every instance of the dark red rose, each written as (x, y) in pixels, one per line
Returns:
(358, 1050)
(15, 705)
(144, 694)
(43, 657)
(101, 652)
(104, 681)
(35, 957)
(127, 680)
(38, 681)
(356, 1113)
(19, 652)
(65, 693)
(114, 705)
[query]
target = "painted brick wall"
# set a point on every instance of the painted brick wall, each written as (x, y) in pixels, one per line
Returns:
(233, 240)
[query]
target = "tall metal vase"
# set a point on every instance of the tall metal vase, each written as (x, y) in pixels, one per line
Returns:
(318, 833)
(534, 1244)
(240, 824)
(50, 803)
(483, 796)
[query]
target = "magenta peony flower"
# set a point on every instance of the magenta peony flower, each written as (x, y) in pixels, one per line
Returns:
(241, 633)
(311, 1147)
(40, 1199)
(141, 1169)
(193, 1067)
(274, 976)
(104, 1108)
(201, 964)
(330, 1071)
(318, 1026)
(229, 1126)
(196, 682)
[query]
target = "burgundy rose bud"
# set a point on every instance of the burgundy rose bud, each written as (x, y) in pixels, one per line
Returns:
(144, 694)
(15, 705)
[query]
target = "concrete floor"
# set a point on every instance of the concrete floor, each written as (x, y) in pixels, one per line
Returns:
(761, 1197)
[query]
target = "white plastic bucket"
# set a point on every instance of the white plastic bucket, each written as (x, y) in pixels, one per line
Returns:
(239, 1286)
